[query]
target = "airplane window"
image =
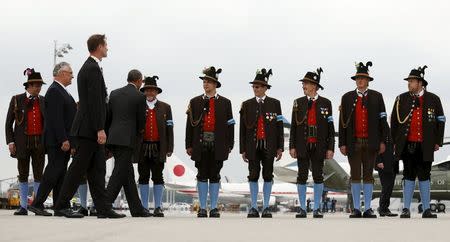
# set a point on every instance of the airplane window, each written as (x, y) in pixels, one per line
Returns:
(444, 166)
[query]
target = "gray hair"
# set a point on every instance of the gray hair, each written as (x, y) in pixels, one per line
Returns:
(59, 67)
(134, 75)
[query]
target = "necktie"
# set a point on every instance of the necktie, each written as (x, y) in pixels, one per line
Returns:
(310, 102)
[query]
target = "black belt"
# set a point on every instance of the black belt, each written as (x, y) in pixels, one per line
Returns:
(208, 141)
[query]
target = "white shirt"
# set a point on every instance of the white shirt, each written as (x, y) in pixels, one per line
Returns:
(421, 93)
(260, 98)
(360, 94)
(151, 104)
(215, 96)
(313, 98)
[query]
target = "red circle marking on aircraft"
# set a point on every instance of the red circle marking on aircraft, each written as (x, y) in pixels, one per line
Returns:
(179, 170)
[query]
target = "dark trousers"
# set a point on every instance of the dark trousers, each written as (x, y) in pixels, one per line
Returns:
(313, 160)
(364, 157)
(89, 159)
(36, 151)
(53, 175)
(155, 166)
(387, 176)
(208, 168)
(123, 176)
(413, 164)
(262, 158)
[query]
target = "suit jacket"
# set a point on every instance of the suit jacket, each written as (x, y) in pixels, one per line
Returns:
(224, 128)
(60, 112)
(378, 127)
(433, 123)
(16, 122)
(273, 126)
(299, 125)
(165, 130)
(91, 115)
(126, 116)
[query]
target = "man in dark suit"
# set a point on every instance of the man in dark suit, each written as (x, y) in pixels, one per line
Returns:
(209, 138)
(24, 129)
(261, 139)
(88, 129)
(311, 139)
(418, 124)
(363, 131)
(60, 112)
(125, 120)
(156, 145)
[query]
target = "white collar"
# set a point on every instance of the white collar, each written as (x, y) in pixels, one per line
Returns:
(151, 104)
(261, 98)
(421, 92)
(96, 59)
(132, 84)
(61, 84)
(206, 96)
(314, 98)
(359, 92)
(28, 94)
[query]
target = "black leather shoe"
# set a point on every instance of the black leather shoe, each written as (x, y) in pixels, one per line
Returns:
(369, 214)
(68, 213)
(214, 213)
(144, 214)
(317, 214)
(93, 212)
(158, 212)
(428, 214)
(21, 212)
(39, 211)
(356, 214)
(301, 213)
(202, 213)
(110, 214)
(83, 211)
(387, 213)
(266, 213)
(405, 213)
(253, 213)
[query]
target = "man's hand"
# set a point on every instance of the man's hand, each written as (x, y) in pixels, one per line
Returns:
(293, 153)
(279, 154)
(329, 154)
(12, 148)
(343, 150)
(380, 165)
(436, 147)
(65, 146)
(189, 151)
(101, 137)
(244, 157)
(382, 148)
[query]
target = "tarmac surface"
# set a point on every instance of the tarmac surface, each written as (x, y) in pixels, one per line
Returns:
(178, 226)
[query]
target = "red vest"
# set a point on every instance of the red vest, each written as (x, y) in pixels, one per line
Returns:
(312, 121)
(34, 118)
(151, 126)
(209, 122)
(260, 133)
(361, 120)
(415, 132)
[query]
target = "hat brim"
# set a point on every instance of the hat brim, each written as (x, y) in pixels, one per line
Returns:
(261, 83)
(151, 86)
(312, 81)
(34, 81)
(211, 79)
(425, 83)
(362, 75)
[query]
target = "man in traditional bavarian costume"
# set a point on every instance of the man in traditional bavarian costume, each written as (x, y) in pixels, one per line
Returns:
(209, 138)
(24, 129)
(157, 144)
(363, 129)
(311, 139)
(418, 124)
(261, 139)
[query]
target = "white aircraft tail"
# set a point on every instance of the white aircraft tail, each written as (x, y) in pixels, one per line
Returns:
(178, 173)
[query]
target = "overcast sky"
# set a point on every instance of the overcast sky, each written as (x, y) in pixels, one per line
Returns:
(177, 39)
